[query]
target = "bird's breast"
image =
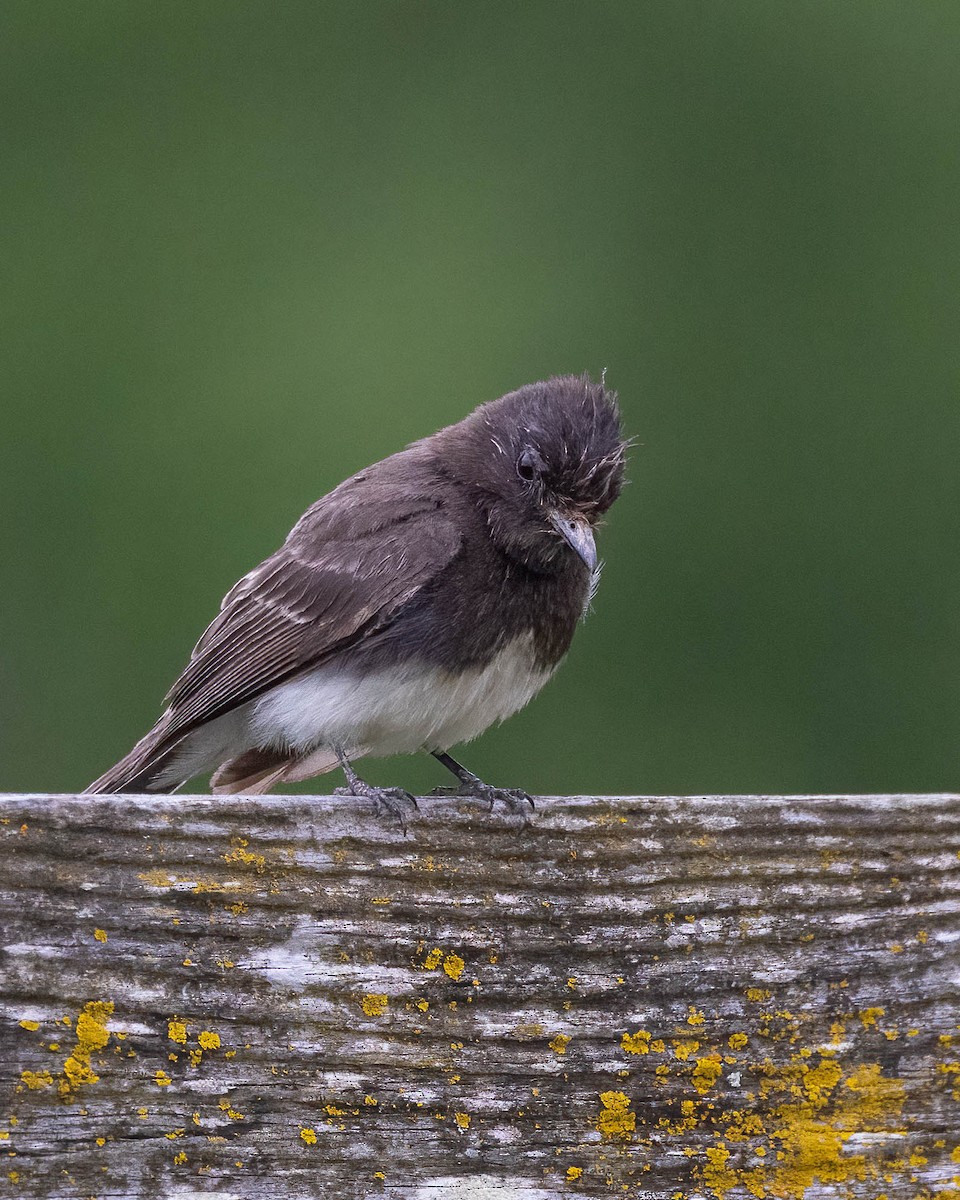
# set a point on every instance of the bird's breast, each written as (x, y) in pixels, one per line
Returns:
(400, 708)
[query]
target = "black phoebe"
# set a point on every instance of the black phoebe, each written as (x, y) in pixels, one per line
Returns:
(420, 601)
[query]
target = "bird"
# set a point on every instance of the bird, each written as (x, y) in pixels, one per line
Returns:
(424, 599)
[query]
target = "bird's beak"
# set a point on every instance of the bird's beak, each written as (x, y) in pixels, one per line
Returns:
(577, 534)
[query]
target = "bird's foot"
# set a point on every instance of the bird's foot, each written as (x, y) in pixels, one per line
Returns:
(517, 801)
(391, 800)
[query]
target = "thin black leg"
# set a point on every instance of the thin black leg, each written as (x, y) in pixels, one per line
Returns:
(470, 785)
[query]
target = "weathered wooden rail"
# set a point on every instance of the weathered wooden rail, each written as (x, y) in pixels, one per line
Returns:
(662, 997)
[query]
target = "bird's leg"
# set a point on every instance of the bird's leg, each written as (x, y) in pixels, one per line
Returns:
(395, 801)
(515, 799)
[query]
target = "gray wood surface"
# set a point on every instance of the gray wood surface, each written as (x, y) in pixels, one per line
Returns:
(662, 997)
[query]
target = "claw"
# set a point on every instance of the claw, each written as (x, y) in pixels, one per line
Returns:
(395, 801)
(515, 799)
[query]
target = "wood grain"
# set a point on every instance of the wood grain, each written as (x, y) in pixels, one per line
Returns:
(673, 997)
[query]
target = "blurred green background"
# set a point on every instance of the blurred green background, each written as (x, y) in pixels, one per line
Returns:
(252, 247)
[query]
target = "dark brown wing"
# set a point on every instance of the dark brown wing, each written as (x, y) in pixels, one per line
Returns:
(348, 567)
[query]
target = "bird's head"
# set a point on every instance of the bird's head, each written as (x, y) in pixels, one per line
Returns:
(547, 462)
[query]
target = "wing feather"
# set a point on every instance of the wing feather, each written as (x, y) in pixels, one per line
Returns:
(347, 569)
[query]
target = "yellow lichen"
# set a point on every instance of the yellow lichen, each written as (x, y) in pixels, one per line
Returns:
(309, 1136)
(208, 1039)
(684, 1047)
(32, 1026)
(870, 1016)
(616, 1120)
(433, 960)
(374, 1004)
(177, 1031)
(574, 1173)
(36, 1079)
(462, 1119)
(453, 965)
(180, 1158)
(636, 1043)
(757, 994)
(694, 1016)
(92, 1035)
(737, 1041)
(707, 1072)
(806, 1132)
(100, 935)
(162, 1079)
(558, 1043)
(240, 854)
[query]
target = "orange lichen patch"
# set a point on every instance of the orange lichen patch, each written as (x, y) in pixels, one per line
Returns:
(462, 1119)
(453, 966)
(208, 1039)
(92, 1035)
(558, 1044)
(177, 1031)
(100, 935)
(32, 1026)
(240, 854)
(636, 1043)
(707, 1072)
(309, 1136)
(616, 1119)
(374, 1004)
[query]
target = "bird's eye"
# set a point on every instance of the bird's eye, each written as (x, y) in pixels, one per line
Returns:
(527, 465)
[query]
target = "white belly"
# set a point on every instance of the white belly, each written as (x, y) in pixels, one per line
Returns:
(399, 710)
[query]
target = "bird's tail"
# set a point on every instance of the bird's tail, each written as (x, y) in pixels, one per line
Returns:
(143, 769)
